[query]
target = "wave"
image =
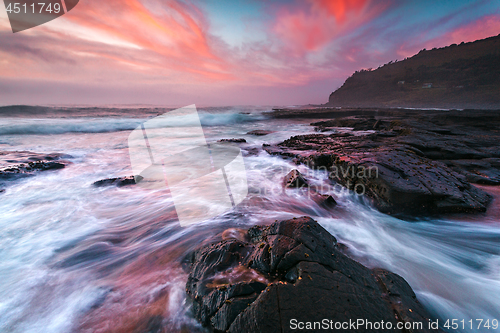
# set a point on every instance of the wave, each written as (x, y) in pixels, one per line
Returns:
(31, 126)
(60, 126)
(27, 111)
(217, 119)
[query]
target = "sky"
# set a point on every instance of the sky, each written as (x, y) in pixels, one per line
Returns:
(221, 52)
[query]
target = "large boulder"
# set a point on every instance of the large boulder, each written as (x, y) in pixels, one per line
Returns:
(291, 272)
(399, 180)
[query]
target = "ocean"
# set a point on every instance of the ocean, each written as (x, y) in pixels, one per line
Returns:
(80, 258)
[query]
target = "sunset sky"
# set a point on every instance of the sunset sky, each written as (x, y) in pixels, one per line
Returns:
(218, 52)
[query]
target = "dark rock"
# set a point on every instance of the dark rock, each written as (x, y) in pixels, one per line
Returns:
(153, 325)
(357, 124)
(396, 178)
(260, 132)
(324, 200)
(241, 140)
(250, 151)
(22, 170)
(91, 253)
(8, 158)
(342, 247)
(294, 179)
(482, 171)
(422, 164)
(21, 164)
(292, 270)
(120, 182)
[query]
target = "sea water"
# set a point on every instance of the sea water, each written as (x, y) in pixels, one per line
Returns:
(75, 257)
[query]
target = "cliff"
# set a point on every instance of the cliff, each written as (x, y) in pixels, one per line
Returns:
(456, 76)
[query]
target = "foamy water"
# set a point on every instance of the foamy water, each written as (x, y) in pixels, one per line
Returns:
(80, 258)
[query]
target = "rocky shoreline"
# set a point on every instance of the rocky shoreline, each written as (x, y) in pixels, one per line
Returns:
(407, 162)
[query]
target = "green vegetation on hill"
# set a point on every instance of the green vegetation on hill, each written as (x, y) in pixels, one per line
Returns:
(456, 76)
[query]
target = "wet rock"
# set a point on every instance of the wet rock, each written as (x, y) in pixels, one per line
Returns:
(357, 124)
(21, 164)
(343, 248)
(234, 233)
(297, 272)
(251, 151)
(324, 200)
(153, 325)
(439, 147)
(27, 169)
(8, 158)
(89, 254)
(240, 140)
(483, 171)
(423, 164)
(294, 179)
(120, 182)
(260, 132)
(396, 178)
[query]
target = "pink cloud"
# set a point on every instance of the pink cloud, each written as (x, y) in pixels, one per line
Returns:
(173, 35)
(484, 27)
(309, 26)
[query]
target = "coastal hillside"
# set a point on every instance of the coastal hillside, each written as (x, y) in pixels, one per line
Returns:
(456, 76)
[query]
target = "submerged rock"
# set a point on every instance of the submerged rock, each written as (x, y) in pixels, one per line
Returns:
(250, 151)
(20, 164)
(16, 165)
(119, 181)
(292, 270)
(8, 158)
(260, 132)
(240, 140)
(324, 200)
(27, 169)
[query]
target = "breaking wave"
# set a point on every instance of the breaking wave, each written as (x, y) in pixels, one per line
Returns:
(42, 126)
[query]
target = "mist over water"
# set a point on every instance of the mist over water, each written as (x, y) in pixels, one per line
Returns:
(81, 258)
